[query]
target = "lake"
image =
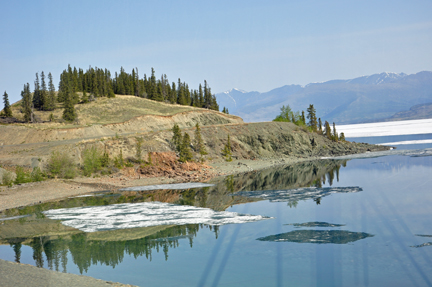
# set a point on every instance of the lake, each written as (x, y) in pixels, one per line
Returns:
(350, 221)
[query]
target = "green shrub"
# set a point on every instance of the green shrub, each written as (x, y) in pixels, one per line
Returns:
(21, 175)
(37, 175)
(92, 158)
(61, 165)
(7, 178)
(119, 161)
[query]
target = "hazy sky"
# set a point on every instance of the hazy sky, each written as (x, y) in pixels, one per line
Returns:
(251, 45)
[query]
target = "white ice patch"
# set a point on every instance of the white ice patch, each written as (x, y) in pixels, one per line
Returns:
(411, 127)
(408, 142)
(186, 185)
(411, 152)
(144, 214)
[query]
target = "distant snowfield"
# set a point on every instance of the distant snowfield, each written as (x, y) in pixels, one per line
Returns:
(412, 127)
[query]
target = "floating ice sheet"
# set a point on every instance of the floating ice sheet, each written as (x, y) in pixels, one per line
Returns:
(317, 236)
(410, 152)
(410, 127)
(144, 214)
(422, 245)
(407, 142)
(186, 185)
(315, 224)
(298, 193)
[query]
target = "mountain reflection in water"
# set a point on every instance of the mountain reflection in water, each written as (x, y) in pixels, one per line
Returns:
(317, 236)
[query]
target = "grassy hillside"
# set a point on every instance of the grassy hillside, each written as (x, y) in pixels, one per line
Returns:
(108, 110)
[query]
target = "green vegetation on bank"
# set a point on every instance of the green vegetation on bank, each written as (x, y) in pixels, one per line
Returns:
(313, 125)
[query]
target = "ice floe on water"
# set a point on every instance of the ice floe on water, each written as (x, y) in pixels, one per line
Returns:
(317, 236)
(407, 142)
(422, 245)
(144, 214)
(186, 185)
(316, 224)
(298, 193)
(410, 152)
(410, 127)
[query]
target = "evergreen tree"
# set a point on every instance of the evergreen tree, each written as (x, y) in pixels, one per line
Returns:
(69, 113)
(320, 125)
(198, 141)
(37, 97)
(335, 134)
(51, 98)
(177, 137)
(185, 151)
(43, 93)
(27, 103)
(342, 137)
(200, 97)
(312, 118)
(7, 109)
(226, 151)
(327, 132)
(303, 119)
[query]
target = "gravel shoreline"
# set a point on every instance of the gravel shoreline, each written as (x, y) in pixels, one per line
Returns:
(23, 275)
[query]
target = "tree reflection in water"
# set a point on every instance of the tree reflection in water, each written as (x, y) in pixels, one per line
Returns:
(87, 249)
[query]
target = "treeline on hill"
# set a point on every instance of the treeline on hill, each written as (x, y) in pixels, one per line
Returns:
(100, 83)
(77, 86)
(313, 124)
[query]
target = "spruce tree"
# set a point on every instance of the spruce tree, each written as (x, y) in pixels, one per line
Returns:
(7, 109)
(342, 137)
(226, 151)
(320, 125)
(198, 141)
(37, 99)
(51, 98)
(185, 151)
(69, 113)
(27, 103)
(43, 93)
(335, 134)
(177, 137)
(303, 119)
(312, 118)
(328, 132)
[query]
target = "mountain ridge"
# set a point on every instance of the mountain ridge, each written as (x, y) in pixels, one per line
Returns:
(370, 98)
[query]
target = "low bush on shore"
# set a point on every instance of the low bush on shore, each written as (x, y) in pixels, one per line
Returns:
(61, 165)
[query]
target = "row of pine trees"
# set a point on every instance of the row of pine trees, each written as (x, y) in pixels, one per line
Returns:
(100, 83)
(79, 86)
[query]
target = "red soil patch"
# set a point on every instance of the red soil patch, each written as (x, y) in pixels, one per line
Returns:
(166, 164)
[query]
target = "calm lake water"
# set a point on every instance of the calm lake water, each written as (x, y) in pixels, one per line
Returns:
(347, 222)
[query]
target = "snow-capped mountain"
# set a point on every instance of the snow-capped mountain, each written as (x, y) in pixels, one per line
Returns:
(367, 98)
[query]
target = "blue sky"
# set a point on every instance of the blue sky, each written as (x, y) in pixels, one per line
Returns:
(251, 45)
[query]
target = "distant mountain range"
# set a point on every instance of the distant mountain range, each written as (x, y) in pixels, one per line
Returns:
(378, 97)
